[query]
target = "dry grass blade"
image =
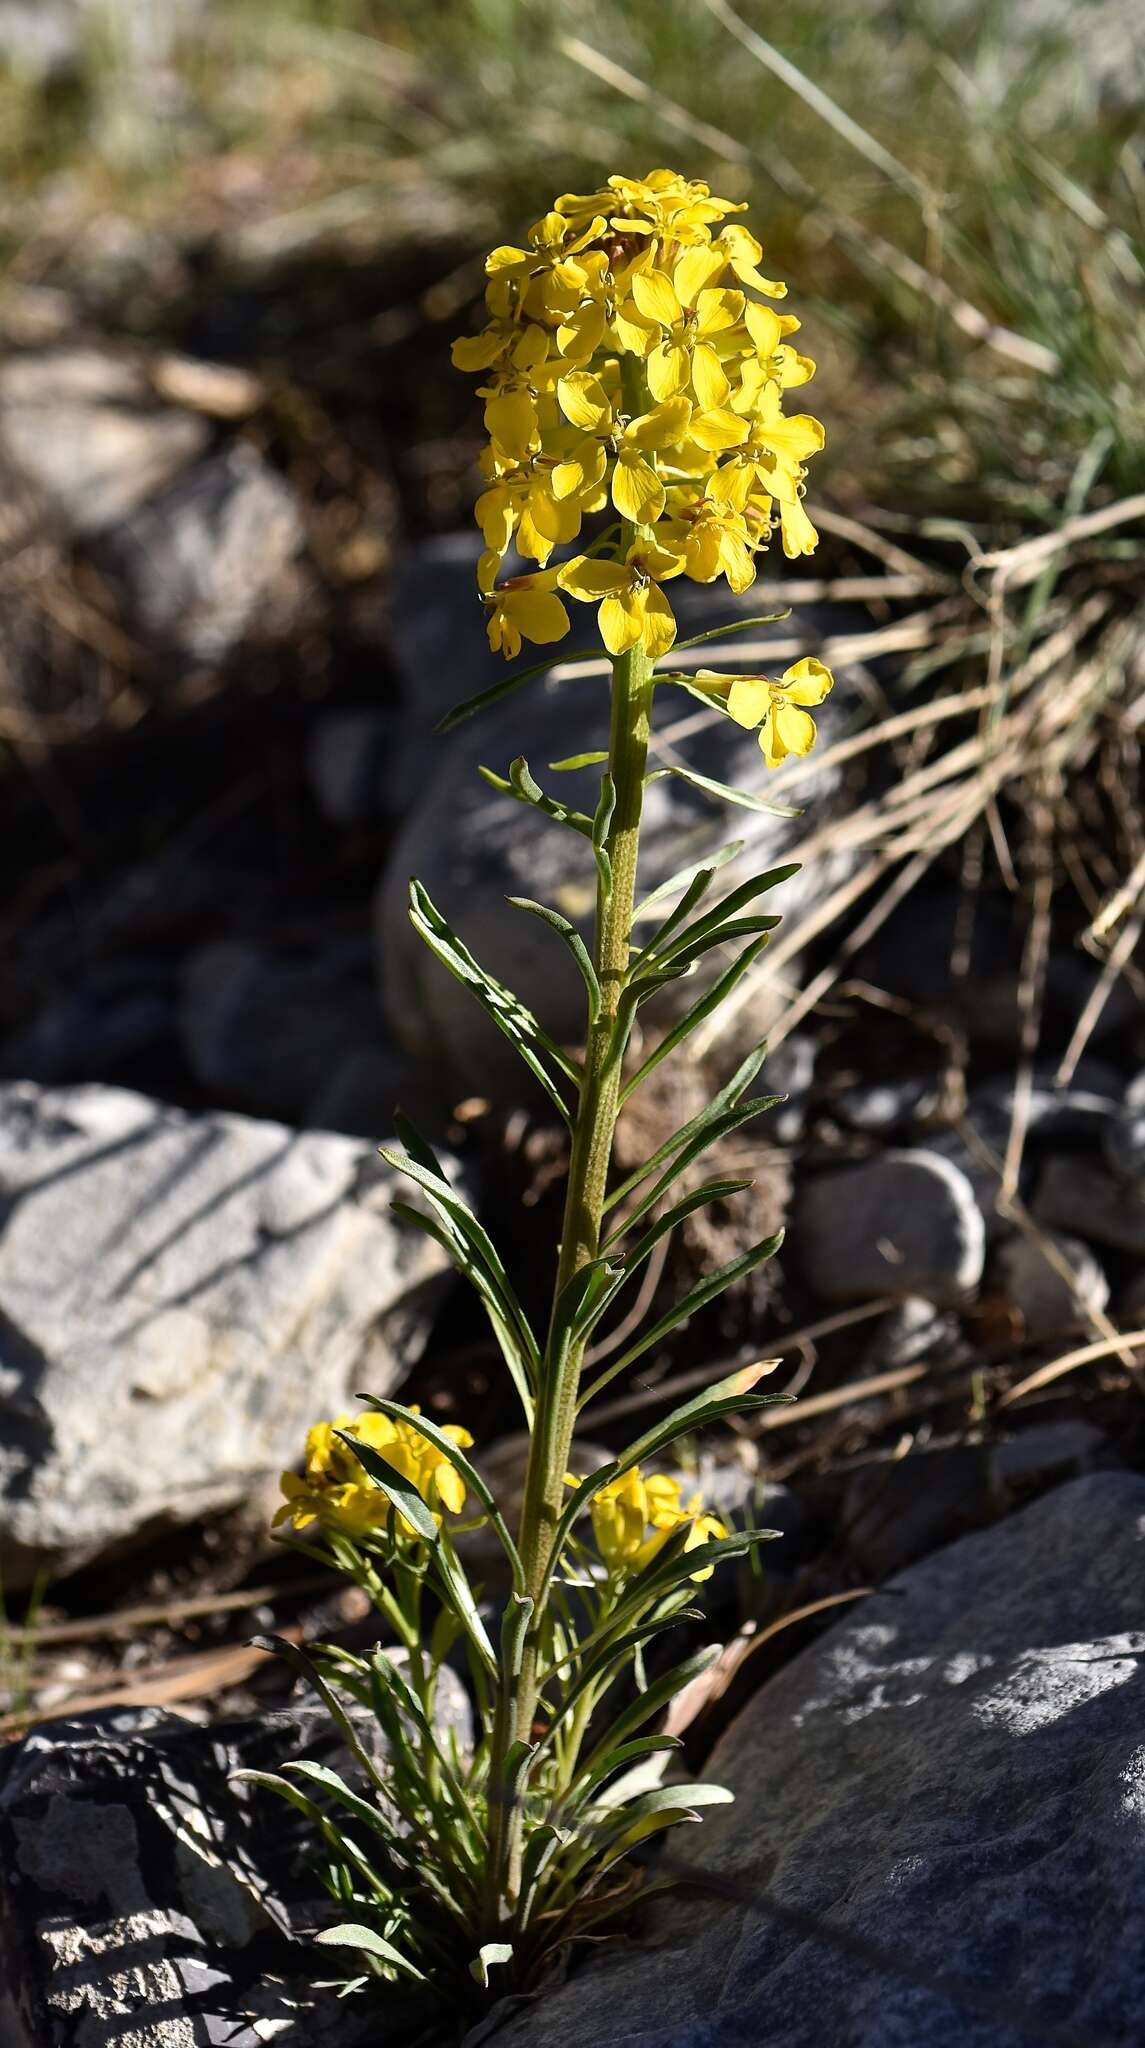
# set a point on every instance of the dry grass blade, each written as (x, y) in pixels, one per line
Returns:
(1121, 1342)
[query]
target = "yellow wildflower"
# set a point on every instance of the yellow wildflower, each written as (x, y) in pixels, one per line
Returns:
(778, 708)
(335, 1492)
(524, 608)
(633, 1516)
(633, 609)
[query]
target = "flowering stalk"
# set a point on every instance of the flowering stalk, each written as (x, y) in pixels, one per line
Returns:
(632, 373)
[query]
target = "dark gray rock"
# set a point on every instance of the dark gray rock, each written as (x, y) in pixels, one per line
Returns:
(952, 1780)
(473, 848)
(790, 1073)
(904, 1223)
(180, 1298)
(147, 1898)
(914, 1329)
(353, 764)
(111, 1018)
(1081, 1196)
(884, 1105)
(896, 1510)
(269, 1031)
(201, 562)
(85, 429)
(1046, 1453)
(1027, 1272)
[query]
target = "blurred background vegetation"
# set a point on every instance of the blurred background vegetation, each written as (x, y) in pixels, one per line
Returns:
(955, 188)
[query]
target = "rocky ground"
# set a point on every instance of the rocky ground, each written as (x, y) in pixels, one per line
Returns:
(220, 673)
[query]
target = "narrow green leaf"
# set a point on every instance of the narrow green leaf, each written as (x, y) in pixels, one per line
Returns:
(371, 1943)
(697, 1297)
(701, 1139)
(458, 1590)
(509, 1014)
(600, 824)
(576, 945)
(401, 1491)
(457, 1458)
(578, 761)
(454, 1245)
(727, 792)
(720, 914)
(584, 1786)
(686, 878)
(506, 688)
(649, 1703)
(704, 1006)
(727, 1096)
(732, 626)
(737, 1391)
(522, 784)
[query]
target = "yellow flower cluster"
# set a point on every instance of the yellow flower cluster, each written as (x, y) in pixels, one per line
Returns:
(334, 1491)
(630, 365)
(633, 1516)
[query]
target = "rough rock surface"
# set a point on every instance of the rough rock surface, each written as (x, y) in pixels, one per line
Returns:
(473, 847)
(148, 1900)
(180, 1297)
(903, 1223)
(952, 1785)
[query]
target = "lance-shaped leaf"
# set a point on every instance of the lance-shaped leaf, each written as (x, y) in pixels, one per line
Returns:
(647, 1704)
(420, 1165)
(490, 1956)
(458, 1591)
(401, 1491)
(370, 1943)
(576, 945)
(697, 1297)
(343, 1845)
(704, 1006)
(589, 1782)
(698, 875)
(516, 1357)
(508, 1013)
(704, 1120)
(522, 784)
(708, 1131)
(573, 761)
(506, 688)
(455, 1456)
(734, 1395)
(668, 943)
(600, 824)
(727, 793)
(606, 1663)
(630, 1263)
(732, 626)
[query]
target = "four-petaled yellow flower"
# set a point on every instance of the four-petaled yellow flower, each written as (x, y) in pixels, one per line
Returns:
(633, 1516)
(629, 360)
(778, 708)
(633, 608)
(334, 1491)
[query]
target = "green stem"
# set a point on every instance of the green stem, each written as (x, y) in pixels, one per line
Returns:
(555, 1417)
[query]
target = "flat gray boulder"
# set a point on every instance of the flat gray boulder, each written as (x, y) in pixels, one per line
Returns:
(904, 1223)
(939, 1827)
(180, 1298)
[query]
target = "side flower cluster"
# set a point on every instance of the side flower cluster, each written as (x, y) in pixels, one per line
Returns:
(333, 1492)
(633, 1516)
(631, 365)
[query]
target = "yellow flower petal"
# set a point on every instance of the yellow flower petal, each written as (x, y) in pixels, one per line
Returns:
(659, 626)
(808, 681)
(637, 492)
(669, 368)
(717, 430)
(621, 621)
(708, 380)
(661, 427)
(511, 421)
(655, 297)
(589, 580)
(749, 699)
(584, 400)
(717, 311)
(799, 535)
(786, 731)
(697, 267)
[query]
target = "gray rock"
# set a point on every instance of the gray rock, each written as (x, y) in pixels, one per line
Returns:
(107, 1021)
(896, 1510)
(85, 429)
(1047, 1298)
(1083, 1110)
(1123, 1143)
(201, 560)
(1045, 1453)
(790, 1073)
(904, 1223)
(352, 761)
(473, 847)
(180, 1298)
(1082, 1196)
(938, 1820)
(268, 1032)
(146, 1897)
(884, 1105)
(914, 1329)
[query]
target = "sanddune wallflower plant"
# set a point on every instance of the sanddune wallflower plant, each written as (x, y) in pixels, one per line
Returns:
(635, 375)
